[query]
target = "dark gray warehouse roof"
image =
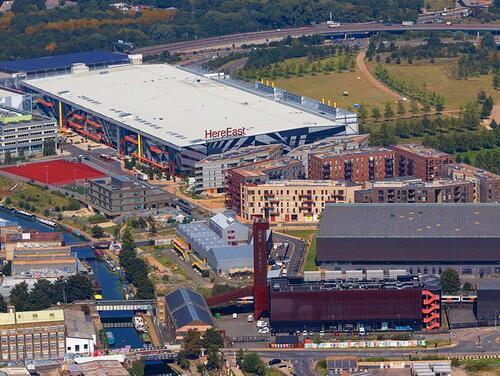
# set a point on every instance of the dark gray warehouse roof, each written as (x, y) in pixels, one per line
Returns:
(410, 220)
(188, 307)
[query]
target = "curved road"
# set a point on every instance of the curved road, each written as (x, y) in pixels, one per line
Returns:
(261, 36)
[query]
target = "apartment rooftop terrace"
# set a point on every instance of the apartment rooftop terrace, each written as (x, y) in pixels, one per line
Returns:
(260, 168)
(421, 150)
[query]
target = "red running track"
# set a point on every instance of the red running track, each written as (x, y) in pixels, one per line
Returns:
(56, 172)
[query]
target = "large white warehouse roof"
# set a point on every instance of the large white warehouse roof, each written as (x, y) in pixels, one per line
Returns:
(173, 105)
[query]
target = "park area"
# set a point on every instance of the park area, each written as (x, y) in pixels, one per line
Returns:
(55, 172)
(440, 77)
(346, 88)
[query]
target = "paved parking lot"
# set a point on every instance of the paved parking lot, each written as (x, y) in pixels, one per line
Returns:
(241, 332)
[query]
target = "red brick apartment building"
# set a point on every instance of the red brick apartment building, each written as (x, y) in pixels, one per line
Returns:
(420, 161)
(283, 168)
(357, 166)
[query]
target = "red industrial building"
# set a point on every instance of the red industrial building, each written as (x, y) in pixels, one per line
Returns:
(349, 305)
(420, 161)
(357, 166)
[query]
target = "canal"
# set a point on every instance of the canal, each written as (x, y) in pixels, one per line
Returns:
(110, 282)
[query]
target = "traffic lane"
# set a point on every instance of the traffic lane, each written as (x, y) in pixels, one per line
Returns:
(296, 253)
(215, 42)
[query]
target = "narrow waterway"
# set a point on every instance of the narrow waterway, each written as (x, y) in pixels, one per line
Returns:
(109, 281)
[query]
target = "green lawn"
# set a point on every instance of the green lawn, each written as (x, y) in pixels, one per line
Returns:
(39, 198)
(473, 154)
(440, 4)
(311, 256)
(440, 77)
(331, 86)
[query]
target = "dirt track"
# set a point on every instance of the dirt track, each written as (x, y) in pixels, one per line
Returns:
(360, 61)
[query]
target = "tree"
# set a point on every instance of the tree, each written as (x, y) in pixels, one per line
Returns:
(213, 338)
(42, 295)
(493, 125)
(414, 107)
(253, 364)
(467, 287)
(362, 112)
(470, 116)
(49, 147)
(401, 108)
(467, 160)
(439, 103)
(239, 357)
(182, 361)
(20, 297)
(376, 113)
(450, 281)
(487, 107)
(192, 344)
(7, 157)
(426, 107)
(3, 304)
(496, 81)
(214, 359)
(97, 231)
(388, 111)
(488, 43)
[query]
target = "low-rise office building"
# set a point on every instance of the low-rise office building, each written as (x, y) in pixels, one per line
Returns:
(229, 229)
(210, 172)
(357, 166)
(121, 194)
(420, 161)
(81, 337)
(32, 335)
(283, 168)
(293, 200)
(334, 144)
(486, 184)
(416, 191)
(23, 133)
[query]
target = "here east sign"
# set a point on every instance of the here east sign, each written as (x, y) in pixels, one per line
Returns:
(227, 132)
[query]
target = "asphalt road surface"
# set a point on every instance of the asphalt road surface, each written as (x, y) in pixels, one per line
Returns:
(259, 36)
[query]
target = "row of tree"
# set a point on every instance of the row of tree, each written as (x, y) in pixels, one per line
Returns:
(212, 341)
(45, 293)
(135, 268)
(418, 93)
(33, 30)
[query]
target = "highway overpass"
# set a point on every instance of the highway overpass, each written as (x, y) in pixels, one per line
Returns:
(349, 29)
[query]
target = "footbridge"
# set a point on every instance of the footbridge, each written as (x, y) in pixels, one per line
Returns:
(124, 305)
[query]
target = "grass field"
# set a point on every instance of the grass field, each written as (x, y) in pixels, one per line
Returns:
(473, 154)
(332, 86)
(440, 4)
(439, 77)
(39, 198)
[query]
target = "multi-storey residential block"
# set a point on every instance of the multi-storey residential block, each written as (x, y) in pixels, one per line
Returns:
(335, 144)
(24, 133)
(419, 161)
(210, 172)
(357, 166)
(32, 335)
(416, 191)
(120, 194)
(293, 200)
(486, 184)
(283, 168)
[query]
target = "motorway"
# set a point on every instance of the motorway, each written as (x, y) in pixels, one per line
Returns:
(262, 36)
